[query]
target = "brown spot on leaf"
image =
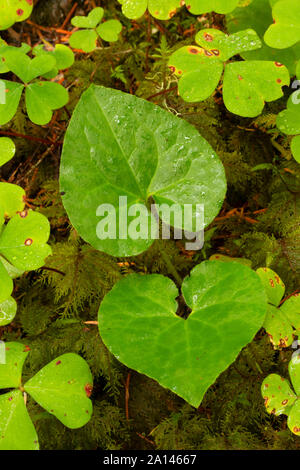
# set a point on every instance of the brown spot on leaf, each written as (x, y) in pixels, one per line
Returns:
(28, 242)
(278, 64)
(296, 430)
(193, 50)
(88, 390)
(20, 12)
(208, 37)
(284, 402)
(58, 362)
(23, 214)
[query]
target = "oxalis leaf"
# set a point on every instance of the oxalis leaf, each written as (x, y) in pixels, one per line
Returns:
(62, 387)
(63, 55)
(279, 322)
(23, 241)
(6, 284)
(12, 11)
(41, 97)
(246, 85)
(166, 9)
(86, 39)
(288, 121)
(7, 150)
(285, 32)
(258, 16)
(280, 398)
(8, 310)
(120, 145)
(138, 324)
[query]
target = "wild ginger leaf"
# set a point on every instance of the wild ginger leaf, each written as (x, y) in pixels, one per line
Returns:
(138, 324)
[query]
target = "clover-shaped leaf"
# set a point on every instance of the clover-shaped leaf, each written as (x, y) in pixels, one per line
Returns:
(12, 11)
(285, 32)
(138, 324)
(86, 39)
(63, 55)
(258, 16)
(11, 199)
(7, 150)
(246, 85)
(6, 284)
(41, 97)
(8, 310)
(288, 121)
(120, 146)
(280, 398)
(23, 241)
(165, 9)
(4, 48)
(62, 387)
(279, 322)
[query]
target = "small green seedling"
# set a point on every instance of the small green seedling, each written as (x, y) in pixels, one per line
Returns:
(279, 396)
(41, 97)
(280, 322)
(247, 85)
(166, 9)
(86, 39)
(138, 324)
(13, 11)
(288, 121)
(285, 31)
(62, 387)
(258, 16)
(64, 57)
(131, 148)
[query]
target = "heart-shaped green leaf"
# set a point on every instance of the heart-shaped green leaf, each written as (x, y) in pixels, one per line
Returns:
(7, 150)
(4, 48)
(63, 388)
(25, 68)
(85, 40)
(90, 21)
(64, 57)
(277, 394)
(137, 322)
(12, 11)
(273, 285)
(278, 327)
(8, 310)
(8, 109)
(110, 30)
(42, 98)
(23, 241)
(6, 284)
(120, 145)
(258, 16)
(285, 32)
(16, 429)
(280, 398)
(288, 121)
(248, 85)
(11, 371)
(11, 198)
(163, 10)
(12, 271)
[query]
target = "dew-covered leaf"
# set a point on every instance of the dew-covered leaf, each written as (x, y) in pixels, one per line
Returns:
(16, 428)
(11, 371)
(277, 394)
(12, 271)
(63, 388)
(85, 40)
(285, 31)
(42, 98)
(23, 241)
(248, 85)
(7, 150)
(120, 145)
(13, 92)
(89, 21)
(273, 285)
(8, 310)
(288, 121)
(258, 16)
(224, 46)
(11, 198)
(109, 30)
(161, 9)
(138, 324)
